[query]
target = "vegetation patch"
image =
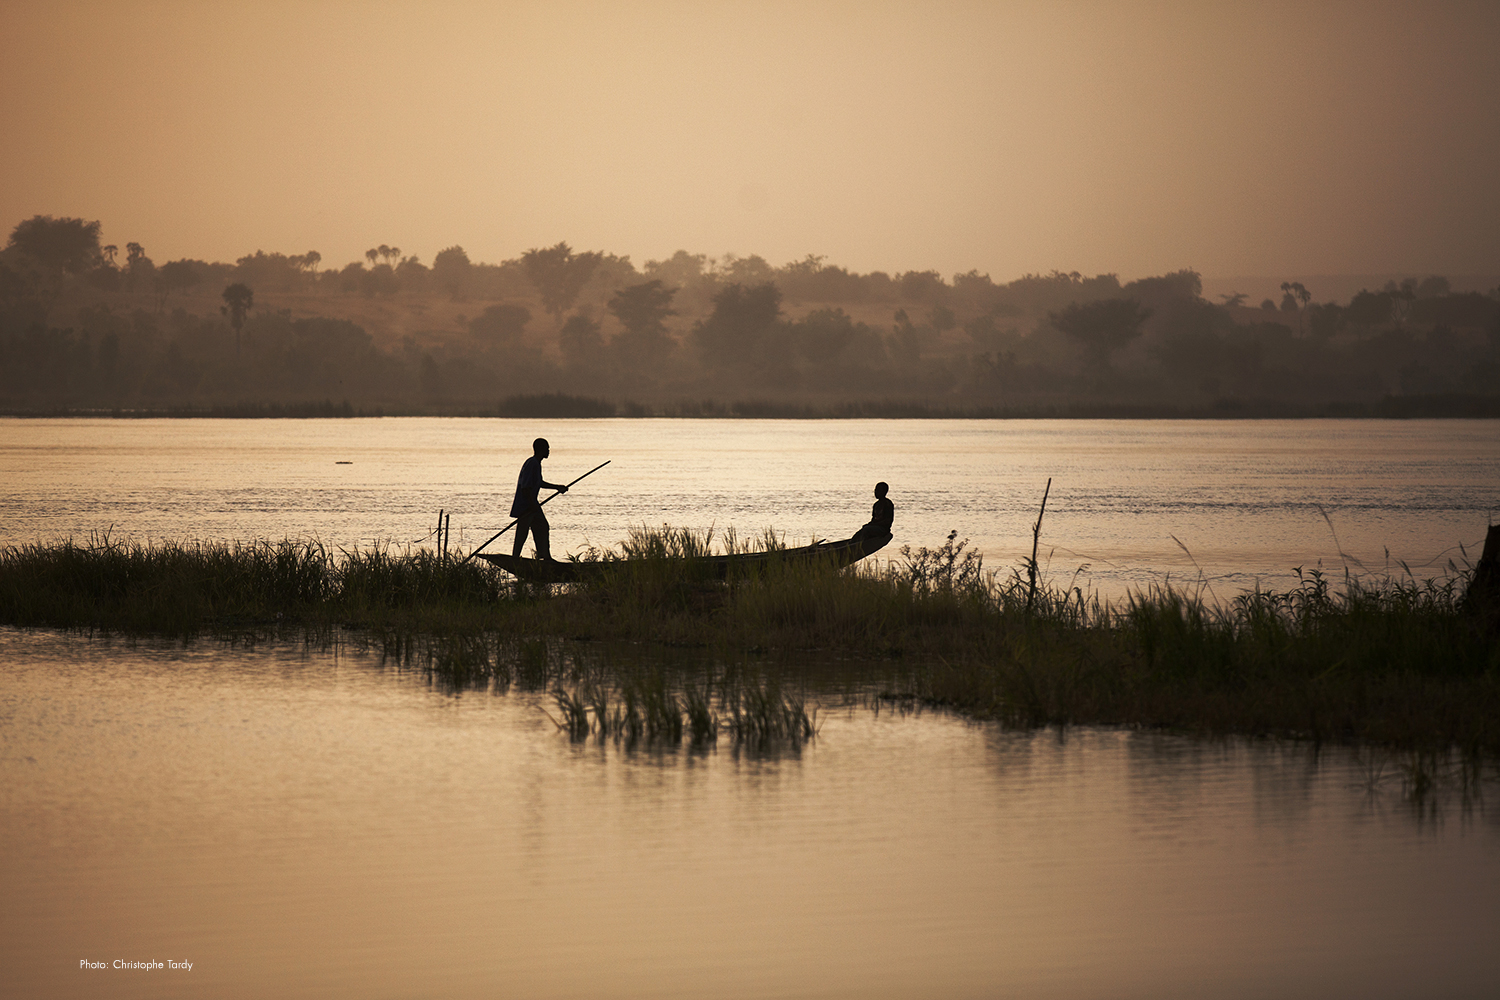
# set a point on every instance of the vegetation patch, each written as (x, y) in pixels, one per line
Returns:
(558, 332)
(1395, 662)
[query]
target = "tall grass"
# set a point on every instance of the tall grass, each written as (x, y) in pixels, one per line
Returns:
(183, 588)
(1394, 661)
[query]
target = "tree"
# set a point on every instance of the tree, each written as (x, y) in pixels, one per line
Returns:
(106, 276)
(352, 277)
(1325, 320)
(379, 280)
(642, 309)
(175, 275)
(1401, 299)
(1233, 300)
(751, 270)
(986, 334)
(1433, 287)
(70, 245)
(264, 270)
(681, 270)
(1161, 291)
(138, 267)
(824, 334)
(500, 325)
(740, 323)
(559, 274)
(307, 262)
(237, 302)
(1102, 327)
(907, 339)
(580, 341)
(1295, 298)
(451, 269)
(921, 286)
(973, 286)
(941, 319)
(413, 274)
(1369, 308)
(806, 267)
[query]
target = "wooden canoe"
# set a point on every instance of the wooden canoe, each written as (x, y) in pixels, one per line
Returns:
(837, 554)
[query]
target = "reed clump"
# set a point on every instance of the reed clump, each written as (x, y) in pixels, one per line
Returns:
(654, 590)
(1395, 662)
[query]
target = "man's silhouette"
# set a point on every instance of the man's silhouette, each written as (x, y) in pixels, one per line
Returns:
(882, 516)
(526, 508)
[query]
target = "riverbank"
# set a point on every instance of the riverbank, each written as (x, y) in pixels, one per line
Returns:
(551, 406)
(1391, 662)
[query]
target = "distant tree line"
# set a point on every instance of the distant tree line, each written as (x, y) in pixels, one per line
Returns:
(696, 334)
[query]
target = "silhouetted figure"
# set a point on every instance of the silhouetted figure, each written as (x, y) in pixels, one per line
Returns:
(882, 516)
(526, 507)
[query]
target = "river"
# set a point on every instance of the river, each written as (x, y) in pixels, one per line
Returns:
(317, 821)
(1132, 503)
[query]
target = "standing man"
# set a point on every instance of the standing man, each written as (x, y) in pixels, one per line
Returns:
(526, 508)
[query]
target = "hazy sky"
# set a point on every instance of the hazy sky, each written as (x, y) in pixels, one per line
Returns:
(1234, 138)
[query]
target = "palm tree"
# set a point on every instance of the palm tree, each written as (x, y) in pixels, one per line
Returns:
(1299, 296)
(237, 302)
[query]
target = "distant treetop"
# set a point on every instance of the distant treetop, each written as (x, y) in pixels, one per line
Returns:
(559, 274)
(68, 244)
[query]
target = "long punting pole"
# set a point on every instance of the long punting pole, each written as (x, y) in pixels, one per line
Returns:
(544, 503)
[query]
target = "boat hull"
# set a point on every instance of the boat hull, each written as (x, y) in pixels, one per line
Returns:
(837, 554)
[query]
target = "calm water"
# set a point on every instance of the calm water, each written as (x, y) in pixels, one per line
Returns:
(1243, 497)
(308, 824)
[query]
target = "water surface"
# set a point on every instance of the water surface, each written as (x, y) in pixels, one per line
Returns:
(1246, 499)
(299, 823)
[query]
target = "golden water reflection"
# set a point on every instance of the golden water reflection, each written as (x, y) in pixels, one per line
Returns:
(300, 823)
(1245, 498)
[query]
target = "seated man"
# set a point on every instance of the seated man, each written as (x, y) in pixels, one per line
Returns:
(882, 516)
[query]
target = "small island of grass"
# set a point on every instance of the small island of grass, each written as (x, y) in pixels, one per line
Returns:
(1402, 663)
